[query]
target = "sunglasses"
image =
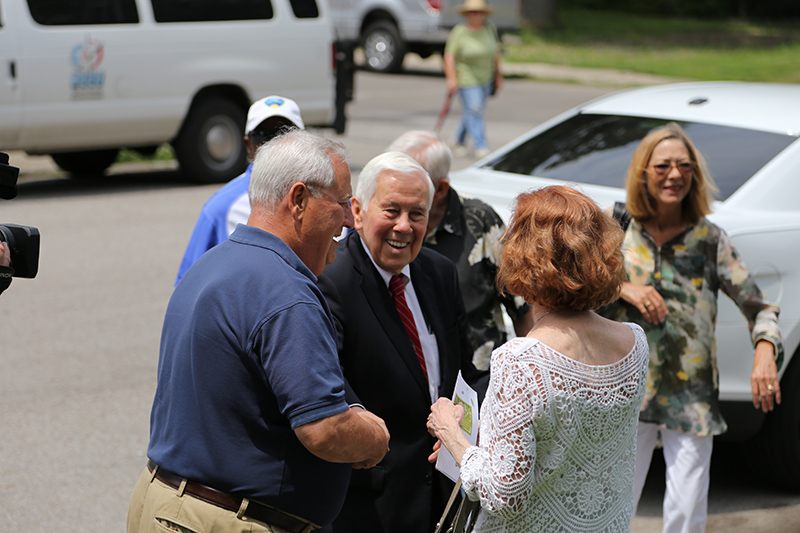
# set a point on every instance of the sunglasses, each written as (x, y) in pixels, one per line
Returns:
(260, 137)
(664, 168)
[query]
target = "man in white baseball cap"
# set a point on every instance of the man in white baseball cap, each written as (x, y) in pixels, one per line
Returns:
(230, 205)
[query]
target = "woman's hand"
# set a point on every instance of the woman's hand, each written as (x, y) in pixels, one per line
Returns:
(452, 86)
(445, 417)
(444, 423)
(764, 379)
(647, 300)
(450, 73)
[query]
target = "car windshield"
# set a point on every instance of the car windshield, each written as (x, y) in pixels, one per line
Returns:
(597, 149)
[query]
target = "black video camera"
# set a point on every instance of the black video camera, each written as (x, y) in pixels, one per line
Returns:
(22, 241)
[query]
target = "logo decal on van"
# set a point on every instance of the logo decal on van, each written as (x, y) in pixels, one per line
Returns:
(87, 78)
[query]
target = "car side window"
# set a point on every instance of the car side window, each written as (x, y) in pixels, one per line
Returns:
(305, 9)
(80, 12)
(211, 10)
(597, 150)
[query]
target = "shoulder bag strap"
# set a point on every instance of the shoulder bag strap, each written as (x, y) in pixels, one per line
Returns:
(440, 524)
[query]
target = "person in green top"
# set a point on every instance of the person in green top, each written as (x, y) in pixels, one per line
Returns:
(472, 67)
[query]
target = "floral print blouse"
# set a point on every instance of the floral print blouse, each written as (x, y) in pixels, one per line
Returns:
(688, 271)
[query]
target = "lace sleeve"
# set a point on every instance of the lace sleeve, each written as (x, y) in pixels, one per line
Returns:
(500, 471)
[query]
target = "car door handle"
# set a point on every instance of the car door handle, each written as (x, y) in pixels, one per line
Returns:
(12, 74)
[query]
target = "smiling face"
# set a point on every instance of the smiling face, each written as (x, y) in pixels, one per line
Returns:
(669, 179)
(393, 223)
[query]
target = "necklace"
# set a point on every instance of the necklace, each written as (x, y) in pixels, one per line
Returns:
(536, 321)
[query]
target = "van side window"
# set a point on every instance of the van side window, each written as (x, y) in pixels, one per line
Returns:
(77, 12)
(211, 10)
(305, 9)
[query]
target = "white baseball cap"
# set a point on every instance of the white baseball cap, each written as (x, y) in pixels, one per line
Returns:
(273, 106)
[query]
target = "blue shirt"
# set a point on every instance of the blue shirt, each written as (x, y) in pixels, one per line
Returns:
(212, 224)
(248, 353)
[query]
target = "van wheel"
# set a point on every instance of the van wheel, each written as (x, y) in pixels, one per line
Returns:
(210, 146)
(383, 48)
(87, 163)
(773, 454)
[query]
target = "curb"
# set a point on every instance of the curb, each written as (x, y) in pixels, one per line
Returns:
(549, 72)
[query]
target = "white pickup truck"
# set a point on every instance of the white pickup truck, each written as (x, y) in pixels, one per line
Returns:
(387, 29)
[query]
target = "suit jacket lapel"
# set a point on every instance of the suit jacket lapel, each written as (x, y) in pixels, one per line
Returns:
(382, 306)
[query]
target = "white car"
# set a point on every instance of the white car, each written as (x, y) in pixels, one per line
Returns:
(749, 135)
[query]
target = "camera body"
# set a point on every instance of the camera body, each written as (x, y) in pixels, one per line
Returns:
(22, 241)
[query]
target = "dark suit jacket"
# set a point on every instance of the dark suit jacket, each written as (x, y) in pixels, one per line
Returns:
(404, 493)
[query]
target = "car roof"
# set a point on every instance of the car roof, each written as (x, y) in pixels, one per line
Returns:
(768, 107)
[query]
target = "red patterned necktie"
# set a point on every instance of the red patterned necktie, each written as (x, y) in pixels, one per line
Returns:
(398, 289)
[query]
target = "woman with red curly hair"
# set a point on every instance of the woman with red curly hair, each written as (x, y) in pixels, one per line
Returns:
(558, 425)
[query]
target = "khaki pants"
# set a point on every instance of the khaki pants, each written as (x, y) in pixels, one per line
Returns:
(158, 508)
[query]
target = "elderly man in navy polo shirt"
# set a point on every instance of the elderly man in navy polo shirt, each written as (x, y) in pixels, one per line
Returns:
(250, 430)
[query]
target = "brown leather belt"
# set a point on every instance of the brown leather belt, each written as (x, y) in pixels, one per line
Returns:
(259, 511)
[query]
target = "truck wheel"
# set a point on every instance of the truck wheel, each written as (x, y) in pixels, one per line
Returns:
(209, 147)
(87, 163)
(383, 48)
(773, 455)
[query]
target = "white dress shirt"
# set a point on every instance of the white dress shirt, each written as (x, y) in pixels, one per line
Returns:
(426, 338)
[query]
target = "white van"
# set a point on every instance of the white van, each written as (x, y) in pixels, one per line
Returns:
(83, 78)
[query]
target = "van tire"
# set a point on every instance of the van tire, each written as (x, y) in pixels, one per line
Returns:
(210, 146)
(384, 49)
(86, 163)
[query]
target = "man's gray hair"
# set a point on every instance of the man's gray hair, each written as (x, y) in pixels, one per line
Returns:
(391, 161)
(429, 151)
(291, 157)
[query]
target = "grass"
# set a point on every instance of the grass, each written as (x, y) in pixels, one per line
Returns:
(163, 153)
(679, 48)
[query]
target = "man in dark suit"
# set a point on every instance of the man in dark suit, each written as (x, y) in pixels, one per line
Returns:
(402, 339)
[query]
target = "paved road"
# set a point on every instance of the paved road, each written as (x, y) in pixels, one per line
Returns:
(79, 345)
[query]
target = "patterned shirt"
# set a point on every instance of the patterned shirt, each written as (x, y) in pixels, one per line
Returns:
(688, 271)
(469, 235)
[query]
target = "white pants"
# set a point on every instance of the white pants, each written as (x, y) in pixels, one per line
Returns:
(688, 460)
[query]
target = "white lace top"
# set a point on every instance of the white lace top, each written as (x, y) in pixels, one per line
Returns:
(557, 441)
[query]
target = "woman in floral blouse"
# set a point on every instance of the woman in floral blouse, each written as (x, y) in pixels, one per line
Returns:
(677, 261)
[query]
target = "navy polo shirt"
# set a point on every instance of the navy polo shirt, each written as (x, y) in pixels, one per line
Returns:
(248, 353)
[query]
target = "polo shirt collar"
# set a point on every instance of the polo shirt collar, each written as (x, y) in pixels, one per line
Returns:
(252, 236)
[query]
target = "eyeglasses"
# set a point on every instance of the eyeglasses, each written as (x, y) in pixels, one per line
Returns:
(318, 191)
(684, 168)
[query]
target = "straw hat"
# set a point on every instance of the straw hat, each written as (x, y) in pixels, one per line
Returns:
(475, 5)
